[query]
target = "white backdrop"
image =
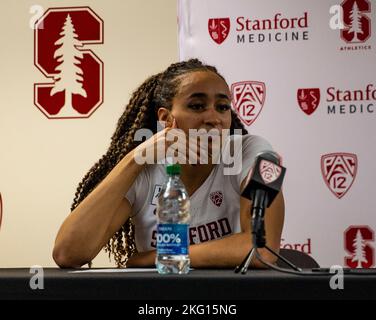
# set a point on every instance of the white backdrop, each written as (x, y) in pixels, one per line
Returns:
(309, 88)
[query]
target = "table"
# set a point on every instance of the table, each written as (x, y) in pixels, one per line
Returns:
(197, 285)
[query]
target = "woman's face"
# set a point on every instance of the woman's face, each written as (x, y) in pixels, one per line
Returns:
(203, 101)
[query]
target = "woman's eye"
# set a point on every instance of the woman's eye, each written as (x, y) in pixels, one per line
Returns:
(196, 106)
(224, 107)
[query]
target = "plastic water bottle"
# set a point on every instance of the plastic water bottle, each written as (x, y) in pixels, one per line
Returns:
(173, 210)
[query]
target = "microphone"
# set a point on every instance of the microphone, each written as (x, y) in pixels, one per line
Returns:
(262, 185)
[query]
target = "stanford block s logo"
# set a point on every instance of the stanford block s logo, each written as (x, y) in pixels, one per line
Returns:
(357, 22)
(339, 171)
(75, 88)
(361, 253)
(219, 29)
(308, 99)
(248, 98)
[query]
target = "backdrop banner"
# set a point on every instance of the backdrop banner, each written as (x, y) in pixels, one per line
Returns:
(302, 75)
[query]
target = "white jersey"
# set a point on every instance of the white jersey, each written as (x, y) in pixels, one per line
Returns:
(215, 205)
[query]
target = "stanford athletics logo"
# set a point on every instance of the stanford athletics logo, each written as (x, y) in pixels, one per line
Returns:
(216, 197)
(269, 171)
(357, 22)
(248, 98)
(339, 171)
(358, 246)
(75, 73)
(308, 99)
(219, 29)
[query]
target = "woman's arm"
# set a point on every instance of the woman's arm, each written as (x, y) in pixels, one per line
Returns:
(230, 251)
(93, 222)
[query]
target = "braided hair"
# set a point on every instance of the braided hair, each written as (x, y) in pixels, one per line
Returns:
(141, 112)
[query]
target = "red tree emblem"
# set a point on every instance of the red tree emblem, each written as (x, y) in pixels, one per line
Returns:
(248, 98)
(76, 73)
(339, 171)
(269, 171)
(357, 245)
(308, 99)
(357, 23)
(219, 29)
(216, 197)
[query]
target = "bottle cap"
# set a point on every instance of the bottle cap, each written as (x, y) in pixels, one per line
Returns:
(172, 169)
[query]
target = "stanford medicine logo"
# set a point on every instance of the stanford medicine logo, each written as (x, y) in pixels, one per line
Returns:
(248, 98)
(358, 241)
(308, 99)
(75, 73)
(269, 171)
(219, 29)
(356, 20)
(339, 171)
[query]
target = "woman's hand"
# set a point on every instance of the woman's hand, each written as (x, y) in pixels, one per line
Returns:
(143, 259)
(171, 143)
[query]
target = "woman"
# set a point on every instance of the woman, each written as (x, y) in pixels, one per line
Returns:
(187, 95)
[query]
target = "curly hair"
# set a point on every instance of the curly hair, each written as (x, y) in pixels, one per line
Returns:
(141, 112)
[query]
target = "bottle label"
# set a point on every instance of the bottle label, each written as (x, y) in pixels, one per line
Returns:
(172, 239)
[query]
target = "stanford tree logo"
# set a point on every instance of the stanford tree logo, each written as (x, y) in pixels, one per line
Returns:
(248, 98)
(357, 245)
(357, 22)
(308, 99)
(339, 171)
(219, 29)
(75, 88)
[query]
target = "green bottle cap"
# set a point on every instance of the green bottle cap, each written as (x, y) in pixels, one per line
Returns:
(172, 169)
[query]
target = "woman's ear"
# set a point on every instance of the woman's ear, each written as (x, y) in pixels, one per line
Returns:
(164, 115)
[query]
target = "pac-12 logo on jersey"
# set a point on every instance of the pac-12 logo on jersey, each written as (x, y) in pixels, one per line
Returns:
(157, 190)
(216, 197)
(75, 74)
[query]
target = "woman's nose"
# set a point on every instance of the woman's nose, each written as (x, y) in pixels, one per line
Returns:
(212, 117)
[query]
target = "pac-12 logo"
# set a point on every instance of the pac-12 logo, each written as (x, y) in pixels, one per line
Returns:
(248, 98)
(357, 22)
(339, 171)
(219, 29)
(358, 241)
(216, 197)
(308, 99)
(75, 73)
(269, 171)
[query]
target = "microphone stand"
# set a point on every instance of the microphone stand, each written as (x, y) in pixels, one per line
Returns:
(258, 233)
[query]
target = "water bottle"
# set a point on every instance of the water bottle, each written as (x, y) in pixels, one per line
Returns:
(173, 211)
